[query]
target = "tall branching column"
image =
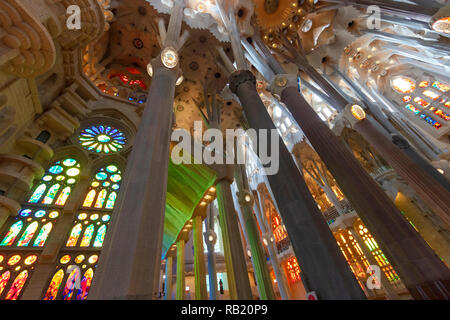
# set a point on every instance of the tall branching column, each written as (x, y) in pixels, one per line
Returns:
(406, 250)
(235, 262)
(133, 244)
(238, 282)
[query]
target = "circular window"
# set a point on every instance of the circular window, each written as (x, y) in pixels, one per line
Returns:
(403, 84)
(102, 139)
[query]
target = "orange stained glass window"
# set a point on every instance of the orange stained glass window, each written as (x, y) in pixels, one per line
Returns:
(293, 270)
(17, 286)
(54, 285)
(278, 230)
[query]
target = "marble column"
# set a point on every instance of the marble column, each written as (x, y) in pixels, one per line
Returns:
(325, 270)
(169, 278)
(181, 284)
(260, 267)
(416, 263)
(433, 194)
(199, 260)
(238, 282)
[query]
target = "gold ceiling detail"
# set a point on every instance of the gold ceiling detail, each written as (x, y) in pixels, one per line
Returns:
(272, 13)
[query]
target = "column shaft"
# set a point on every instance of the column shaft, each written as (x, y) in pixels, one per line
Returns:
(169, 276)
(132, 249)
(212, 272)
(181, 284)
(253, 238)
(324, 268)
(413, 259)
(281, 280)
(238, 282)
(433, 194)
(199, 261)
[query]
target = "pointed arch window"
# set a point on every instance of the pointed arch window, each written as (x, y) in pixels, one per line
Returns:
(31, 228)
(78, 259)
(72, 268)
(103, 190)
(57, 183)
(15, 270)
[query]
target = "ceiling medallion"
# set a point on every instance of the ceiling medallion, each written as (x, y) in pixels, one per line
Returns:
(272, 13)
(193, 66)
(270, 6)
(138, 43)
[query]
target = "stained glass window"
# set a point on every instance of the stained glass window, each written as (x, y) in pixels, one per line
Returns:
(85, 284)
(403, 85)
(43, 234)
(71, 282)
(88, 225)
(353, 254)
(441, 86)
(102, 139)
(87, 237)
(104, 188)
(12, 234)
(277, 228)
(377, 253)
(293, 270)
(56, 183)
(55, 283)
(74, 235)
(31, 225)
(72, 269)
(15, 270)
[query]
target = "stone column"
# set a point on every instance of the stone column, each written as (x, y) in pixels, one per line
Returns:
(267, 234)
(238, 282)
(433, 194)
(324, 268)
(407, 251)
(132, 250)
(169, 278)
(385, 284)
(211, 256)
(199, 260)
(181, 285)
(246, 201)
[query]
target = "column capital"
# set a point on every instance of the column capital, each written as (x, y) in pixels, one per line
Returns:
(283, 81)
(239, 77)
(224, 172)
